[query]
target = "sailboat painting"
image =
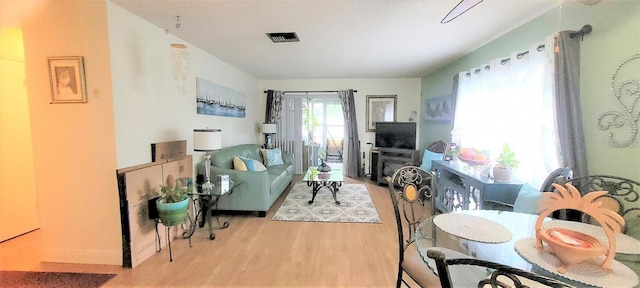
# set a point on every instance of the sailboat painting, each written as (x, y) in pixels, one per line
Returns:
(217, 100)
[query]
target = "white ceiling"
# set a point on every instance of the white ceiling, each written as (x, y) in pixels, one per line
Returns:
(338, 38)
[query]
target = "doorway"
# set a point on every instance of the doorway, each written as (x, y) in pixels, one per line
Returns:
(314, 125)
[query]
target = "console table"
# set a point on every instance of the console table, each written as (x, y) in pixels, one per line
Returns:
(461, 188)
(392, 159)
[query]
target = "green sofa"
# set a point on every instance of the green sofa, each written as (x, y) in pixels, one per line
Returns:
(256, 190)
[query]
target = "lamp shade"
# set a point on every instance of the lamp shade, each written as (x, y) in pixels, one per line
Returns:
(269, 128)
(207, 139)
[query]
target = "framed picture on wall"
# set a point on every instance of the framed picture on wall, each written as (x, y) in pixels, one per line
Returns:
(439, 110)
(66, 77)
(380, 108)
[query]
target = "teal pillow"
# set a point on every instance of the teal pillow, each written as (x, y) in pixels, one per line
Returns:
(427, 157)
(272, 157)
(249, 163)
(528, 200)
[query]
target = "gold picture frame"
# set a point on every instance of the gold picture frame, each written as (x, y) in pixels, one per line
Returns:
(66, 76)
(380, 108)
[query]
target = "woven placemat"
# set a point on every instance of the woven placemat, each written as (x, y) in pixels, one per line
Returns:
(472, 228)
(625, 244)
(587, 272)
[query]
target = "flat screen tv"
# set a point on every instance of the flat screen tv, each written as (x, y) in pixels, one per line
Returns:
(396, 135)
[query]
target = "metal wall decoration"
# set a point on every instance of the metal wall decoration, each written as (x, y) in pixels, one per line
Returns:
(215, 99)
(626, 92)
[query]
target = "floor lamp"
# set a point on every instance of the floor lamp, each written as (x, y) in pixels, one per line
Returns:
(207, 140)
(269, 129)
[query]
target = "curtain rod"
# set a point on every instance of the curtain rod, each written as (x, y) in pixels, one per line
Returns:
(586, 29)
(334, 91)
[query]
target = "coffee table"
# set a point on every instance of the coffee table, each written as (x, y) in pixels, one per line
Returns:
(316, 179)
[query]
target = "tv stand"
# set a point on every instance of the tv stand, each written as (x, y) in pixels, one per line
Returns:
(391, 159)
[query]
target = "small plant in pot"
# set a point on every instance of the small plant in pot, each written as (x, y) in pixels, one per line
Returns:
(173, 206)
(506, 162)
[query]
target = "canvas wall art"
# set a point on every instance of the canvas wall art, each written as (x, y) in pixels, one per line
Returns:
(218, 100)
(439, 110)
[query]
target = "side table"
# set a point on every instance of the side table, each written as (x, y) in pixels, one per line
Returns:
(204, 203)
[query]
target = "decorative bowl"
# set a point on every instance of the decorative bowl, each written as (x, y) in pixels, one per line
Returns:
(570, 246)
(324, 176)
(472, 162)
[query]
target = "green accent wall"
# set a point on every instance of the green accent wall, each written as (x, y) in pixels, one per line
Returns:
(616, 26)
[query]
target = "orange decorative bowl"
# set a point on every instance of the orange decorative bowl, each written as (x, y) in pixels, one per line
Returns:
(472, 161)
(571, 246)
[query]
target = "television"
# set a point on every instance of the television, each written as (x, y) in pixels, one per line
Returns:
(400, 135)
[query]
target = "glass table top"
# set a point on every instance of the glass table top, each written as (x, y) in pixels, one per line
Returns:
(313, 175)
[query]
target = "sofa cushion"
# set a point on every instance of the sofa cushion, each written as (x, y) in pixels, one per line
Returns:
(528, 200)
(427, 157)
(272, 157)
(239, 165)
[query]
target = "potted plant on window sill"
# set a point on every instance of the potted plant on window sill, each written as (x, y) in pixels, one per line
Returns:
(505, 164)
(173, 206)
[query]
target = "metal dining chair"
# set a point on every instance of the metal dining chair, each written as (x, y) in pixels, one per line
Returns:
(498, 275)
(409, 188)
(623, 198)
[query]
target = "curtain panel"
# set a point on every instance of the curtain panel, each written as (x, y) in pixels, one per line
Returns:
(352, 146)
(508, 101)
(567, 100)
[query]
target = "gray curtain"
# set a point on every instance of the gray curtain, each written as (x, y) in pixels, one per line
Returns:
(567, 100)
(353, 145)
(274, 106)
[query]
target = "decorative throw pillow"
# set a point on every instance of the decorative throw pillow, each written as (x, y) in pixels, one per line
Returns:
(272, 157)
(246, 164)
(427, 157)
(528, 200)
(259, 166)
(239, 165)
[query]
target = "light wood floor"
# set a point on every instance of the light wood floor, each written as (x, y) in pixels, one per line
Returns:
(254, 252)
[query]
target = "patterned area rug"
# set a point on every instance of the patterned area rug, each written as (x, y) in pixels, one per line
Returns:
(355, 205)
(52, 279)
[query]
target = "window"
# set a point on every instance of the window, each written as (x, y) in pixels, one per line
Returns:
(510, 101)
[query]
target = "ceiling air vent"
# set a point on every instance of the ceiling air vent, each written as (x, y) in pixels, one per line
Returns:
(283, 37)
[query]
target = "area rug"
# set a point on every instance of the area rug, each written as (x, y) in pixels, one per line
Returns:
(355, 205)
(52, 279)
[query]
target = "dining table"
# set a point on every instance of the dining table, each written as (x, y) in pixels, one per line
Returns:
(508, 238)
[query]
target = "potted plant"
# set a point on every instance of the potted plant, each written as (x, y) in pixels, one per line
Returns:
(173, 206)
(506, 162)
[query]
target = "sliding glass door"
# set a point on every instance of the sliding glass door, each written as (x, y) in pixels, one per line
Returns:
(314, 125)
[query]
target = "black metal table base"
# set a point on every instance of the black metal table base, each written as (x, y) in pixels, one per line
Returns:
(204, 207)
(332, 185)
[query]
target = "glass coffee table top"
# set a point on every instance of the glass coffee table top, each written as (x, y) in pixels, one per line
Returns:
(313, 175)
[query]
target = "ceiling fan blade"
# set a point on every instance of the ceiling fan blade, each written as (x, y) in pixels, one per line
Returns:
(462, 7)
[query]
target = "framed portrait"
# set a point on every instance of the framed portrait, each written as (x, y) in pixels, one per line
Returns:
(66, 76)
(439, 110)
(380, 108)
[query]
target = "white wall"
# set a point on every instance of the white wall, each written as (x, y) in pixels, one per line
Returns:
(149, 106)
(73, 144)
(407, 89)
(16, 197)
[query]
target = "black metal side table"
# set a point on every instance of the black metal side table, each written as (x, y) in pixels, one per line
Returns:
(204, 203)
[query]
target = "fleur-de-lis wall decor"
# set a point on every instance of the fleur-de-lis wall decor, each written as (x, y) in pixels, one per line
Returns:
(626, 92)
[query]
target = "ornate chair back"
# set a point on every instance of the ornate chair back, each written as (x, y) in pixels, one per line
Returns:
(410, 189)
(560, 175)
(501, 275)
(623, 198)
